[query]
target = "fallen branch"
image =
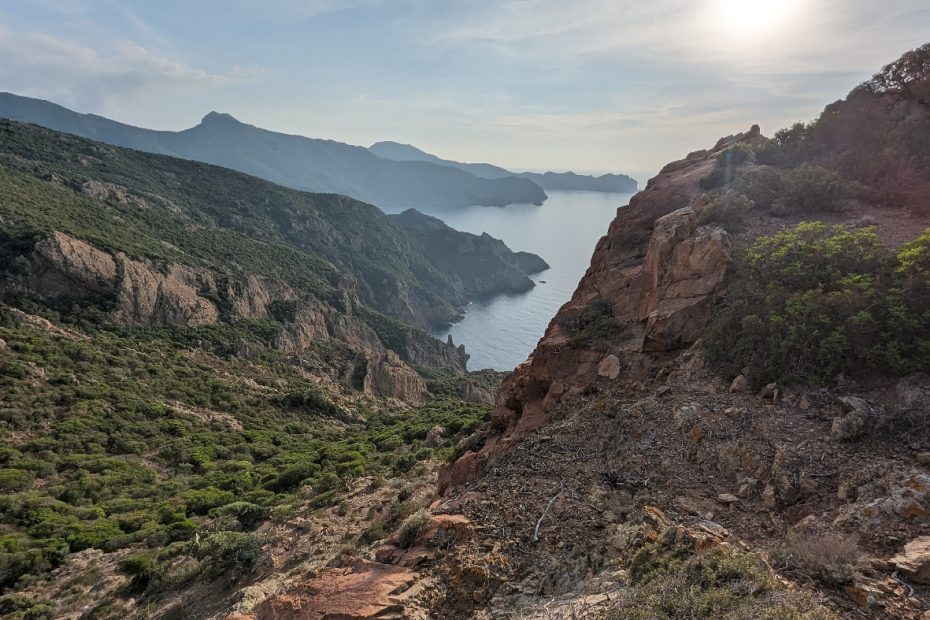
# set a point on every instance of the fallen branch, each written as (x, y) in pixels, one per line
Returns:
(543, 515)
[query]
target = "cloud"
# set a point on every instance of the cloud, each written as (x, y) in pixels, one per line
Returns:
(89, 78)
(302, 9)
(811, 35)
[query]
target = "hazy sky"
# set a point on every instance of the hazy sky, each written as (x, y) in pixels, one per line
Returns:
(589, 85)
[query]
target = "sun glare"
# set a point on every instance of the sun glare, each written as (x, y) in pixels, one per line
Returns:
(754, 16)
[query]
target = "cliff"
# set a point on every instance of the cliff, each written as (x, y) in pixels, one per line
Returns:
(189, 213)
(646, 296)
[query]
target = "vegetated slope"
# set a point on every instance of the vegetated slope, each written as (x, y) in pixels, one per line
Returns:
(190, 375)
(294, 161)
(548, 180)
(268, 230)
(482, 262)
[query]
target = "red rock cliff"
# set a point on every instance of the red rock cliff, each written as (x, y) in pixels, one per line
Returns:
(653, 277)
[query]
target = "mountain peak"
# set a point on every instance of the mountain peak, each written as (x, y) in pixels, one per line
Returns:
(219, 118)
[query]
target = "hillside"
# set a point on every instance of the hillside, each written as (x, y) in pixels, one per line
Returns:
(482, 262)
(193, 361)
(620, 183)
(309, 241)
(293, 161)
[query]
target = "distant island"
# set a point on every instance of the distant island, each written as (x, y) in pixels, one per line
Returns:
(323, 166)
(548, 181)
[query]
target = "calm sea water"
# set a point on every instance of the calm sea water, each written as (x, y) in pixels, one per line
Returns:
(501, 332)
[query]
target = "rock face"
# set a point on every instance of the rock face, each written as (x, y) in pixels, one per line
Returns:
(914, 561)
(142, 293)
(387, 376)
(651, 286)
(358, 589)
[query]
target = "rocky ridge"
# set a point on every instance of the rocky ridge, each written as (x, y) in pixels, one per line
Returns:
(61, 267)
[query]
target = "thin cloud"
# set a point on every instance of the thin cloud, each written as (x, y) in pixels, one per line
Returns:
(41, 65)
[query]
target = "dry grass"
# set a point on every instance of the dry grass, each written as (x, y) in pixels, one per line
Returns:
(828, 557)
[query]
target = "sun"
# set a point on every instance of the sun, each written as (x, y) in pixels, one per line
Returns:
(753, 16)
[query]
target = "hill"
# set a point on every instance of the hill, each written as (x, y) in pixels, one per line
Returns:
(620, 183)
(293, 161)
(309, 241)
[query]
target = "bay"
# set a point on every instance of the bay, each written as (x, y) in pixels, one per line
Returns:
(502, 331)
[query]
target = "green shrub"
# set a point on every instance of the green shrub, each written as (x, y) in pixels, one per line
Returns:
(669, 580)
(807, 189)
(412, 527)
(594, 324)
(229, 551)
(726, 165)
(727, 210)
(249, 515)
(14, 479)
(814, 301)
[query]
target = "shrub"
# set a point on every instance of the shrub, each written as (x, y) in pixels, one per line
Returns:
(727, 210)
(814, 301)
(14, 479)
(825, 556)
(806, 189)
(412, 527)
(726, 165)
(669, 580)
(225, 551)
(595, 323)
(248, 514)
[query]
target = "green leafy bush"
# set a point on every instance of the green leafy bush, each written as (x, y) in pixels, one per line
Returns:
(225, 551)
(594, 324)
(809, 188)
(726, 166)
(814, 301)
(727, 210)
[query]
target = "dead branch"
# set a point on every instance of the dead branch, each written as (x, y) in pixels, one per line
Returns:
(543, 515)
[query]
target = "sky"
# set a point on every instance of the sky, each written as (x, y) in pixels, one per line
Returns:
(584, 85)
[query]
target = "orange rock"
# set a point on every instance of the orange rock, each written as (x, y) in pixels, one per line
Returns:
(359, 590)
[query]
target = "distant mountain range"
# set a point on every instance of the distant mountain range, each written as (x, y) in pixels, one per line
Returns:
(392, 176)
(547, 181)
(301, 163)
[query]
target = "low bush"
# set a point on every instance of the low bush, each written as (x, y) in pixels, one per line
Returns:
(828, 557)
(669, 580)
(814, 301)
(726, 166)
(806, 189)
(727, 210)
(412, 527)
(592, 325)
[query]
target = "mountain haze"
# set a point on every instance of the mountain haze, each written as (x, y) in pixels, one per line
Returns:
(620, 183)
(294, 161)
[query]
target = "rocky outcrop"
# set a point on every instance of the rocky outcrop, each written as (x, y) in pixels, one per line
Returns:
(385, 375)
(355, 589)
(142, 293)
(647, 296)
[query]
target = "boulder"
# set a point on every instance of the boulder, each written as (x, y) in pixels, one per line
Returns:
(609, 367)
(434, 437)
(356, 589)
(914, 561)
(740, 385)
(854, 423)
